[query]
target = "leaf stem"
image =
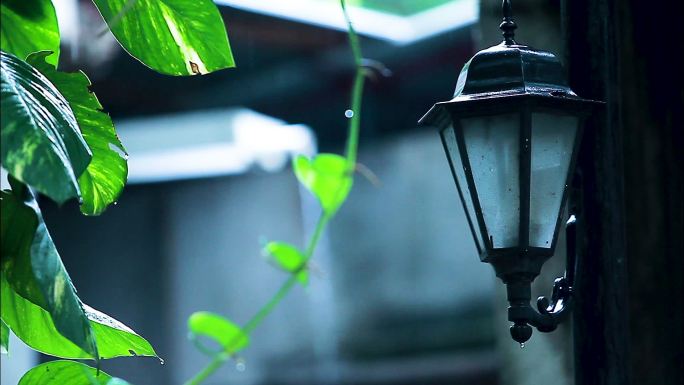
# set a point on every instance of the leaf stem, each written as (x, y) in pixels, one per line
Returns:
(208, 370)
(318, 231)
(270, 305)
(357, 90)
(220, 358)
(355, 120)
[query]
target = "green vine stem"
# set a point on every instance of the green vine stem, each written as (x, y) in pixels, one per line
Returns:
(351, 150)
(357, 90)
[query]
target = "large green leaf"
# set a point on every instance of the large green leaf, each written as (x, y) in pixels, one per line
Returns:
(175, 37)
(34, 268)
(41, 143)
(63, 372)
(4, 338)
(104, 179)
(33, 325)
(19, 224)
(27, 26)
(289, 258)
(229, 335)
(327, 176)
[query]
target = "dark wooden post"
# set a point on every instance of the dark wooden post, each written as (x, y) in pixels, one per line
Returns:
(600, 317)
(628, 320)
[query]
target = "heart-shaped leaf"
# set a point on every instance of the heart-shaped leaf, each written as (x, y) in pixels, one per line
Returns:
(229, 335)
(61, 372)
(327, 176)
(288, 258)
(40, 140)
(29, 26)
(174, 37)
(104, 179)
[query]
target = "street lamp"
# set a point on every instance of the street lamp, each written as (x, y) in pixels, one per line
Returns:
(511, 135)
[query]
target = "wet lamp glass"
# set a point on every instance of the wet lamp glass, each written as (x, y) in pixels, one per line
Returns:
(511, 135)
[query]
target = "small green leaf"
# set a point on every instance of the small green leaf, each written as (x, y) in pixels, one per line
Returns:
(289, 258)
(327, 176)
(62, 372)
(104, 179)
(229, 335)
(31, 263)
(4, 338)
(41, 144)
(174, 37)
(34, 326)
(29, 26)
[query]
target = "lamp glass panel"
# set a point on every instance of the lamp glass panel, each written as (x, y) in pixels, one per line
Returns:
(553, 140)
(449, 137)
(493, 149)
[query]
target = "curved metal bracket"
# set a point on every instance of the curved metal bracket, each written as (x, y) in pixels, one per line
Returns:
(550, 312)
(561, 297)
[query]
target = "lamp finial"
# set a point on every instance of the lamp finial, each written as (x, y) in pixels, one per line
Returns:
(508, 26)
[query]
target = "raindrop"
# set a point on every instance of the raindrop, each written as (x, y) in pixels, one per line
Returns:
(349, 113)
(161, 361)
(240, 365)
(491, 169)
(115, 203)
(522, 345)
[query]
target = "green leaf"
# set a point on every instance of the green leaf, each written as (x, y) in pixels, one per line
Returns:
(19, 224)
(27, 26)
(33, 267)
(41, 143)
(229, 335)
(289, 258)
(34, 326)
(63, 372)
(174, 37)
(4, 338)
(327, 176)
(114, 339)
(104, 179)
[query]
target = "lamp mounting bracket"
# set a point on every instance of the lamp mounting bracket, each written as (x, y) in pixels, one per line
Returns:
(550, 312)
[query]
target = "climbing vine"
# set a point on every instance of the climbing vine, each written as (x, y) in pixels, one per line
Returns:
(57, 141)
(329, 177)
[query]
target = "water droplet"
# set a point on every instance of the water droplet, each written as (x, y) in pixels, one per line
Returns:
(161, 361)
(240, 365)
(522, 345)
(115, 203)
(349, 113)
(491, 169)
